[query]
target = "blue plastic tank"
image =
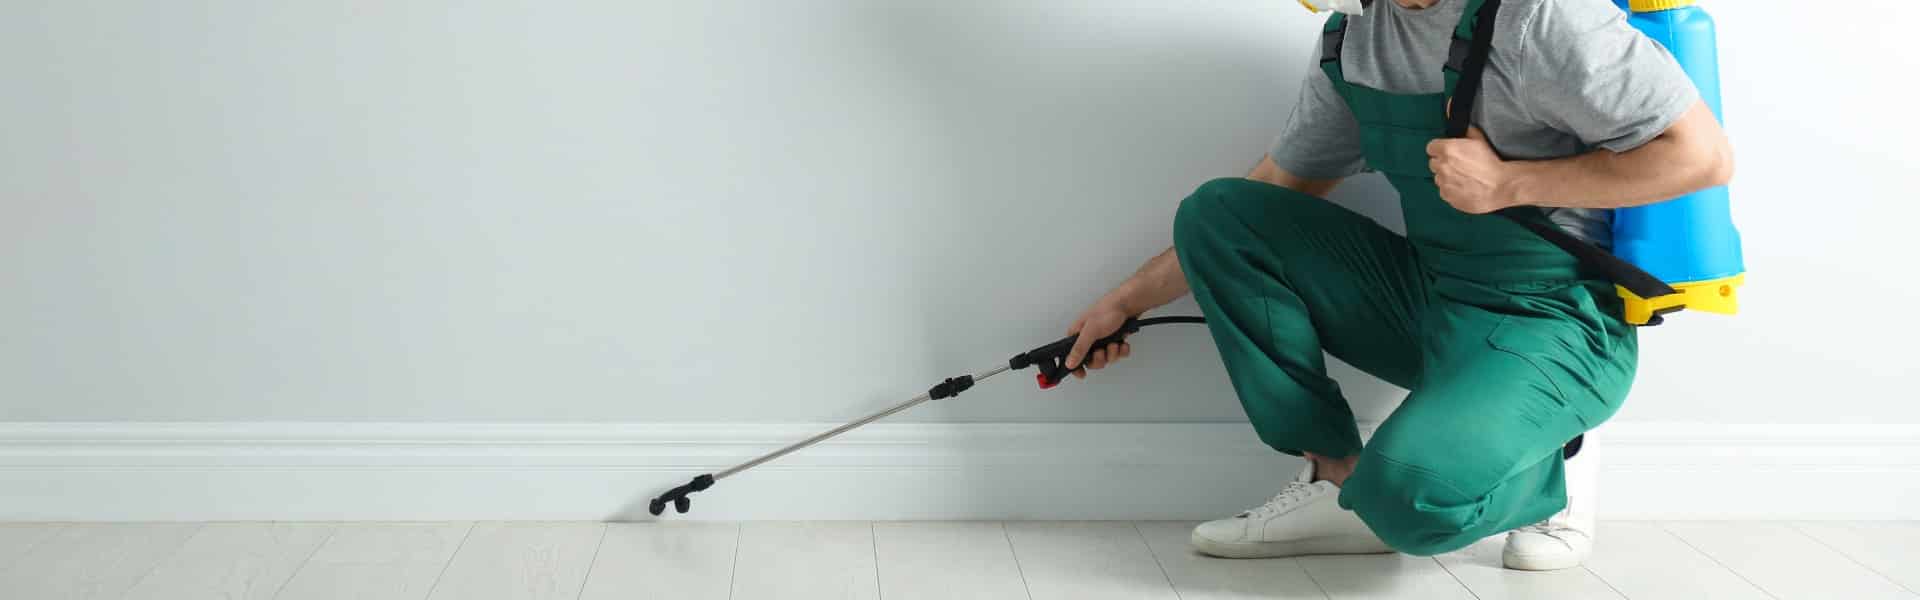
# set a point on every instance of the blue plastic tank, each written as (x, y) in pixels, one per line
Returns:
(1689, 242)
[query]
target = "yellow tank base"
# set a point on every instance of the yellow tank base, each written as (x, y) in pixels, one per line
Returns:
(1714, 295)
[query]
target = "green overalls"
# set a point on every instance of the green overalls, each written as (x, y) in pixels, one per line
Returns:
(1510, 349)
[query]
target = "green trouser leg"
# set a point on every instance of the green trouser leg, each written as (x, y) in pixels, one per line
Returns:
(1283, 276)
(1501, 375)
(1475, 450)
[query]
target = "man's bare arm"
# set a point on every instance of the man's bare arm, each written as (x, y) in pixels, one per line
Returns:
(1160, 282)
(1691, 155)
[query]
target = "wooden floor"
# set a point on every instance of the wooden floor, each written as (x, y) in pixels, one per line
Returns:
(934, 560)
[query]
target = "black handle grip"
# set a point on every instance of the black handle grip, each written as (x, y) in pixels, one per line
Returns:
(1052, 358)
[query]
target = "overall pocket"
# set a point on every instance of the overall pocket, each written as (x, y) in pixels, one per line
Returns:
(1582, 365)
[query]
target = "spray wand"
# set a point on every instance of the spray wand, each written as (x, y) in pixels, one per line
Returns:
(1050, 360)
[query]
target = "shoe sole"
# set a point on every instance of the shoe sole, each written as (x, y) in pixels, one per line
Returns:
(1541, 563)
(1339, 544)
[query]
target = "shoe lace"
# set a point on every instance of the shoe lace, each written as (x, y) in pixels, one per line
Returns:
(1543, 528)
(1293, 494)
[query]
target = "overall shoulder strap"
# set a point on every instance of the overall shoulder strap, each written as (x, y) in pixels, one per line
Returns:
(1333, 37)
(1467, 60)
(1466, 63)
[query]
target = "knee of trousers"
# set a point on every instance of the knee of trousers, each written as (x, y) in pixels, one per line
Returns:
(1215, 210)
(1413, 509)
(1204, 211)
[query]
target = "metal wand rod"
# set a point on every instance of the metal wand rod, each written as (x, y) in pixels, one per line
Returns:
(797, 446)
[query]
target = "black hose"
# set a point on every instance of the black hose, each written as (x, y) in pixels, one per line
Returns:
(1170, 320)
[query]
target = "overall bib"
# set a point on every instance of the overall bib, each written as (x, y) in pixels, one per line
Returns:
(1509, 347)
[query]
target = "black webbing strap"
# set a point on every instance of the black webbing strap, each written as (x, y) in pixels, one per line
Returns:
(1471, 66)
(1623, 273)
(1460, 116)
(1333, 38)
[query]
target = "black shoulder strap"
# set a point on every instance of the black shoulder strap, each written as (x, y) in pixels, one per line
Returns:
(1623, 273)
(1470, 58)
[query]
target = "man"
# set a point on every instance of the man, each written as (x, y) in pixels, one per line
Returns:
(1509, 346)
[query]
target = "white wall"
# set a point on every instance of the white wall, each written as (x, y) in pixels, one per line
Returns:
(780, 211)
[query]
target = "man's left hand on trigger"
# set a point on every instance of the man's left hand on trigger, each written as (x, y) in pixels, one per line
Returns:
(1470, 175)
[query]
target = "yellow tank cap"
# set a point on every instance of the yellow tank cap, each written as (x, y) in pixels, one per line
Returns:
(1659, 5)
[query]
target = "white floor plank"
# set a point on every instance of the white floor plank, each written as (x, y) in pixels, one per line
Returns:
(92, 560)
(667, 561)
(18, 538)
(1199, 577)
(377, 561)
(521, 560)
(233, 561)
(1645, 562)
(1785, 562)
(921, 560)
(946, 560)
(1479, 567)
(805, 561)
(1383, 577)
(1106, 560)
(1890, 548)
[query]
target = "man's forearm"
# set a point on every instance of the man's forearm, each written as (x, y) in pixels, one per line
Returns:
(1157, 283)
(1161, 281)
(1675, 164)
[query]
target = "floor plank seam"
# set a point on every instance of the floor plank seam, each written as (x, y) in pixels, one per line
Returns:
(1716, 560)
(1456, 577)
(303, 562)
(1823, 543)
(592, 562)
(733, 570)
(873, 542)
(1603, 581)
(1156, 560)
(1311, 579)
(450, 558)
(1017, 567)
(197, 528)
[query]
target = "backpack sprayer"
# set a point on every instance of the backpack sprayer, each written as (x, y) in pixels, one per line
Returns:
(1690, 242)
(1051, 360)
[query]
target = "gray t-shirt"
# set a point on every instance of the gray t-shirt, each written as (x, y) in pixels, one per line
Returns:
(1566, 77)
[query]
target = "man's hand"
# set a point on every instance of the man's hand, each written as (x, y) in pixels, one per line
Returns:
(1156, 283)
(1471, 177)
(1101, 320)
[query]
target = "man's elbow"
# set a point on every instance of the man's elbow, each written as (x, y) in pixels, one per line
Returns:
(1719, 164)
(1702, 161)
(1705, 147)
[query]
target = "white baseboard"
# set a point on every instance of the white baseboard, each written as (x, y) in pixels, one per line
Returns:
(437, 471)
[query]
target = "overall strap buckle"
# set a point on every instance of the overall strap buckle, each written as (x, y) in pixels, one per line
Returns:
(1333, 38)
(1458, 53)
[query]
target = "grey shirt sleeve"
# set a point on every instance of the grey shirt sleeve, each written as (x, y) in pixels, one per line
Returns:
(1590, 73)
(1321, 139)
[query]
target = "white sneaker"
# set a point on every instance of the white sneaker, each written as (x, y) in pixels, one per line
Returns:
(1565, 540)
(1305, 518)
